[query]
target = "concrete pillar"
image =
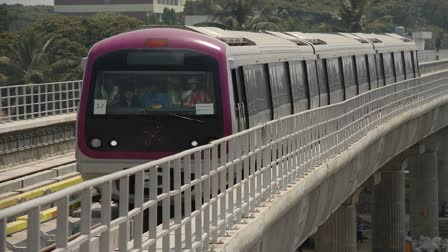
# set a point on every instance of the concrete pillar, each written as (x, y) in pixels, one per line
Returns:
(338, 233)
(442, 164)
(424, 218)
(388, 211)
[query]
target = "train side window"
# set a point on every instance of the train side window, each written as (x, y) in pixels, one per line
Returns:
(408, 65)
(380, 69)
(373, 71)
(323, 82)
(335, 80)
(313, 85)
(388, 66)
(259, 105)
(299, 86)
(399, 66)
(415, 64)
(280, 89)
(351, 88)
(362, 73)
(240, 98)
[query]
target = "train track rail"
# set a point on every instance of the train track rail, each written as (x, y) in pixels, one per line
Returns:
(26, 182)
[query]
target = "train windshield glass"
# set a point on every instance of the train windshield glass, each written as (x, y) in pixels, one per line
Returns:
(154, 92)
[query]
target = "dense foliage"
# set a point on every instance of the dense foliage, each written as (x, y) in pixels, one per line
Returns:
(51, 48)
(37, 45)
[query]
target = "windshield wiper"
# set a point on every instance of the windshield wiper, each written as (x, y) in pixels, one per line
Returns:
(186, 118)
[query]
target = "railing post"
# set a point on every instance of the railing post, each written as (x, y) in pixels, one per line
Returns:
(166, 209)
(188, 199)
(62, 223)
(138, 205)
(177, 206)
(249, 155)
(106, 201)
(222, 188)
(3, 238)
(206, 196)
(198, 193)
(86, 218)
(214, 191)
(152, 218)
(33, 230)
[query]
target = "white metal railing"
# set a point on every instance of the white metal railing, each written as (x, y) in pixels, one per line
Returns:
(30, 101)
(230, 177)
(432, 55)
(433, 66)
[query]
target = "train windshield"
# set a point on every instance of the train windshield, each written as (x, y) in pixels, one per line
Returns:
(154, 100)
(154, 92)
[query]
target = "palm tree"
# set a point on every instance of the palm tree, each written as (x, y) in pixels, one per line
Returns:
(29, 61)
(243, 15)
(353, 16)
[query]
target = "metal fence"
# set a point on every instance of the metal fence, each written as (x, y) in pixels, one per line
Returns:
(432, 55)
(433, 66)
(29, 101)
(202, 192)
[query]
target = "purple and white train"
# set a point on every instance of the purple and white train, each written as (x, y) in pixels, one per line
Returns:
(154, 92)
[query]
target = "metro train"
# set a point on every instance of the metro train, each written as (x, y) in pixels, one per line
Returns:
(153, 92)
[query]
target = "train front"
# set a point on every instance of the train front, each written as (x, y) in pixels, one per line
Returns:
(148, 94)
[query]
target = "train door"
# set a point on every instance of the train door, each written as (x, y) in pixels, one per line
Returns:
(240, 98)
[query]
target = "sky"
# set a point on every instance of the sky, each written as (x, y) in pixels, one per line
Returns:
(28, 2)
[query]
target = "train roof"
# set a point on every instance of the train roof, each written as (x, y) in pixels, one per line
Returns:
(261, 47)
(388, 42)
(244, 45)
(331, 45)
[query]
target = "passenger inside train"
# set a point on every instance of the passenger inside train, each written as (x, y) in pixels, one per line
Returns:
(136, 93)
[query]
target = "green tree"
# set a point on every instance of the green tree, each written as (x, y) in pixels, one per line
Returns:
(353, 16)
(22, 17)
(7, 40)
(435, 12)
(29, 61)
(244, 15)
(169, 16)
(4, 18)
(104, 25)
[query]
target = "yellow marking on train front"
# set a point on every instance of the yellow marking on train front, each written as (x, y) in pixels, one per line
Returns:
(14, 200)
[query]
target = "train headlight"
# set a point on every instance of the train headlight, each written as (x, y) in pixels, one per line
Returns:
(113, 143)
(194, 143)
(95, 143)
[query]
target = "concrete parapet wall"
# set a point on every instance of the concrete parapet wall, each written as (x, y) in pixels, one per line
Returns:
(21, 144)
(284, 223)
(433, 66)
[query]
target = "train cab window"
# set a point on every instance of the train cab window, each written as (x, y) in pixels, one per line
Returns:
(154, 92)
(408, 65)
(373, 71)
(335, 80)
(280, 89)
(362, 73)
(380, 69)
(388, 66)
(399, 66)
(299, 86)
(313, 85)
(350, 84)
(323, 82)
(258, 98)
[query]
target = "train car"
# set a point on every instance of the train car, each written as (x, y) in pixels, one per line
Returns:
(154, 92)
